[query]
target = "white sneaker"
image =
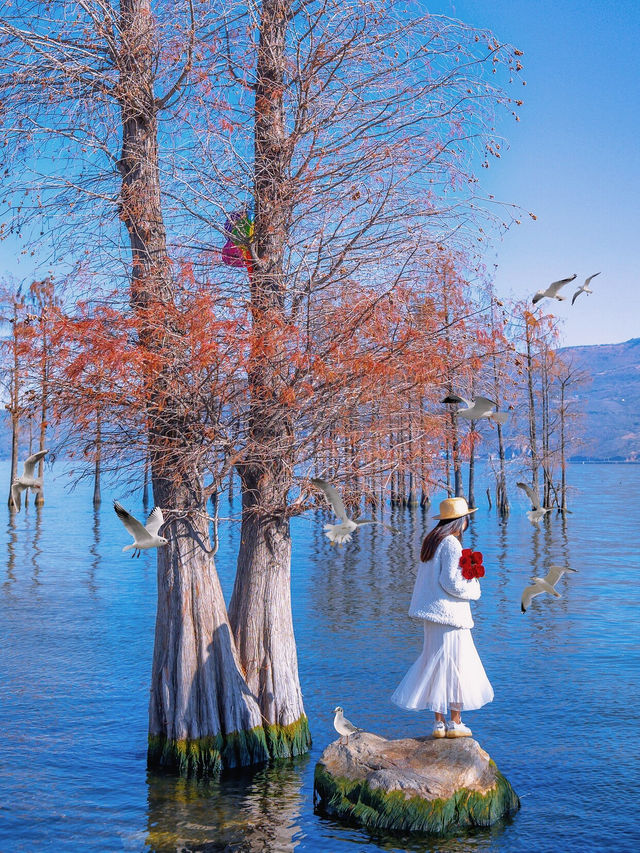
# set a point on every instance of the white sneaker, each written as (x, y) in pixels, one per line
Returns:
(439, 729)
(457, 729)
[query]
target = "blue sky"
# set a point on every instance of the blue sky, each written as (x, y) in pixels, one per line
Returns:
(573, 158)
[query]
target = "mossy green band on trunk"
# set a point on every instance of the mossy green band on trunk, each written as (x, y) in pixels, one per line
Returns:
(210, 755)
(287, 741)
(356, 802)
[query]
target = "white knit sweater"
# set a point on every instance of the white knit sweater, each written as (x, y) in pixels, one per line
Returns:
(440, 593)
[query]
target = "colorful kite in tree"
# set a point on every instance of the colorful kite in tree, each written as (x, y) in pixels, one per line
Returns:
(239, 232)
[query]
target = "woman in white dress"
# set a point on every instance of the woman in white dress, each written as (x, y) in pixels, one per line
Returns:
(448, 675)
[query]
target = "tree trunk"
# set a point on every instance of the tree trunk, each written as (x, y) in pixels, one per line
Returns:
(145, 480)
(201, 714)
(97, 497)
(533, 442)
(424, 493)
(447, 461)
(44, 392)
(546, 429)
(502, 498)
(260, 607)
(455, 453)
(14, 408)
(471, 497)
(563, 462)
(260, 615)
(402, 485)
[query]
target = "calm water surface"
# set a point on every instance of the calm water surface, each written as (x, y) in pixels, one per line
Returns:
(76, 627)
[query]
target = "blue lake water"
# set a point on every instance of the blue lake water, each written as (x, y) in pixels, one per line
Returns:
(76, 631)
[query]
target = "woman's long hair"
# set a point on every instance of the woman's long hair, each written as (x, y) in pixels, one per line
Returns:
(443, 528)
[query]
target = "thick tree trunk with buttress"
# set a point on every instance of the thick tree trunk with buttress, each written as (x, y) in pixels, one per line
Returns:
(260, 614)
(202, 715)
(260, 608)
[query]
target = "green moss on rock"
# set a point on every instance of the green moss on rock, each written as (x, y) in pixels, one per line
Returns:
(356, 802)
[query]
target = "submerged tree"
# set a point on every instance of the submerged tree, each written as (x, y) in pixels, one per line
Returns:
(14, 347)
(501, 371)
(90, 83)
(44, 300)
(568, 378)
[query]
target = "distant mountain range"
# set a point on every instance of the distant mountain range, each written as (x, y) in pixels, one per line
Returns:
(611, 402)
(610, 428)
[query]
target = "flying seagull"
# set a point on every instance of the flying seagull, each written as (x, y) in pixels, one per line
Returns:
(338, 534)
(534, 515)
(481, 407)
(27, 480)
(343, 726)
(545, 584)
(552, 291)
(144, 537)
(584, 288)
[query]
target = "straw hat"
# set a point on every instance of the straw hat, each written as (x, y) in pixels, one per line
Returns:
(453, 508)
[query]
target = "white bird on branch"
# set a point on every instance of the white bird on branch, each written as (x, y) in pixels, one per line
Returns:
(552, 291)
(534, 515)
(143, 537)
(584, 288)
(342, 725)
(28, 480)
(545, 584)
(338, 534)
(481, 407)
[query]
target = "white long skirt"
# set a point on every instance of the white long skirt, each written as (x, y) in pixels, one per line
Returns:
(448, 674)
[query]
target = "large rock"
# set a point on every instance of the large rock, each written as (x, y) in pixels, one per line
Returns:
(415, 784)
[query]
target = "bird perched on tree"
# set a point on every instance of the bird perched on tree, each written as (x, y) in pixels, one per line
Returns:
(545, 584)
(538, 510)
(144, 537)
(28, 480)
(584, 288)
(338, 534)
(481, 407)
(552, 291)
(342, 725)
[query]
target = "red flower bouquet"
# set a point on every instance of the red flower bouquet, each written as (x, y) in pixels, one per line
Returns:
(471, 564)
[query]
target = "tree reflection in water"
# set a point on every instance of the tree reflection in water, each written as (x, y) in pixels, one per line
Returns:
(242, 811)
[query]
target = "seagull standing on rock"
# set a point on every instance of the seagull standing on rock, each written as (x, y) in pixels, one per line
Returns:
(28, 480)
(342, 725)
(545, 584)
(552, 291)
(338, 534)
(144, 537)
